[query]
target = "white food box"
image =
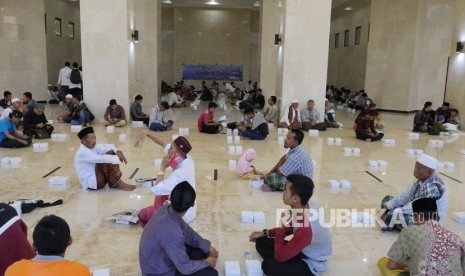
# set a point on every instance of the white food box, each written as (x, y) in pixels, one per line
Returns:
(6, 160)
(229, 132)
(101, 272)
(270, 126)
(446, 164)
(232, 268)
(410, 152)
(222, 118)
(76, 128)
(413, 136)
(345, 184)
(373, 163)
(137, 124)
(58, 137)
(382, 163)
(237, 139)
(229, 139)
(459, 217)
(16, 160)
(440, 164)
(257, 184)
(122, 137)
(253, 268)
(259, 217)
(232, 150)
(58, 180)
(247, 216)
(356, 151)
(418, 151)
(333, 184)
(390, 141)
(285, 131)
(236, 132)
(280, 131)
(281, 140)
(238, 149)
(462, 151)
(232, 164)
(40, 147)
(313, 132)
(110, 129)
(330, 141)
(440, 143)
(347, 151)
(338, 141)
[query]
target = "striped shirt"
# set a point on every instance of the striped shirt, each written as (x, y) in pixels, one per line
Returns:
(298, 161)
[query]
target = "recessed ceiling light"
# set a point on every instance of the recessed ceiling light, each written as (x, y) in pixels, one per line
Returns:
(213, 3)
(257, 4)
(167, 2)
(348, 9)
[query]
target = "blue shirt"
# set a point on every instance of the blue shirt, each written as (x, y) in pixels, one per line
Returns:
(6, 126)
(162, 247)
(298, 161)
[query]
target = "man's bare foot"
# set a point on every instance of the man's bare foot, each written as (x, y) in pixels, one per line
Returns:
(125, 187)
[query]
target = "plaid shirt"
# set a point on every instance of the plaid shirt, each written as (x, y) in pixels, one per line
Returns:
(432, 187)
(298, 161)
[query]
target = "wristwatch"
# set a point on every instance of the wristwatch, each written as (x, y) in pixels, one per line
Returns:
(160, 173)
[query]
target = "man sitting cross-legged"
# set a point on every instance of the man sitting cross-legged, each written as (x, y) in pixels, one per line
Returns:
(308, 251)
(98, 165)
(169, 246)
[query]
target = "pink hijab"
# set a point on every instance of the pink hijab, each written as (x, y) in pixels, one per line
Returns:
(243, 164)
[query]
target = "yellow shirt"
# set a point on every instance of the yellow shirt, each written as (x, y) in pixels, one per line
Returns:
(47, 268)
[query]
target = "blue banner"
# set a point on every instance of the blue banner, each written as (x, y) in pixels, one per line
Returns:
(212, 72)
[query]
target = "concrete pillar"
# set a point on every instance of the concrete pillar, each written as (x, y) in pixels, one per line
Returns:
(305, 50)
(105, 53)
(408, 51)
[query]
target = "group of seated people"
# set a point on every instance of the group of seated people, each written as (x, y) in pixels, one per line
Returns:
(22, 120)
(432, 122)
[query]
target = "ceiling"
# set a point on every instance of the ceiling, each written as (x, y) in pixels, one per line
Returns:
(240, 4)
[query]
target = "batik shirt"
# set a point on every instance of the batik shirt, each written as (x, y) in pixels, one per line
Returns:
(429, 249)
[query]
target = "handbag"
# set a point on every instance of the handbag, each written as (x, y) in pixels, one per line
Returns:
(41, 133)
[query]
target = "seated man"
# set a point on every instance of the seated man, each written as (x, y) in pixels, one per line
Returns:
(67, 117)
(206, 122)
(15, 105)
(365, 127)
(310, 118)
(114, 115)
(81, 115)
(455, 118)
(98, 165)
(423, 122)
(178, 158)
(258, 99)
(259, 128)
(36, 124)
(136, 111)
(329, 116)
(243, 123)
(425, 248)
(169, 246)
(291, 117)
(6, 101)
(174, 98)
(442, 114)
(308, 251)
(51, 237)
(13, 238)
(272, 111)
(28, 102)
(296, 161)
(427, 185)
(157, 120)
(9, 138)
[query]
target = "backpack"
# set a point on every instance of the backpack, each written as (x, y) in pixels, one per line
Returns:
(75, 76)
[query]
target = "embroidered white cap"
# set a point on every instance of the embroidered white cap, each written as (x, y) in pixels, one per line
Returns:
(295, 101)
(14, 100)
(428, 161)
(69, 96)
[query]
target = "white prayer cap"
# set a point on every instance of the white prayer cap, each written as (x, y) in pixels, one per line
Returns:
(69, 96)
(428, 161)
(295, 101)
(15, 100)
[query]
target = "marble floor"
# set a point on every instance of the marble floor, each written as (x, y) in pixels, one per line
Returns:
(100, 243)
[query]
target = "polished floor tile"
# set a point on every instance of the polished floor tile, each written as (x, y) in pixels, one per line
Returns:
(98, 242)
